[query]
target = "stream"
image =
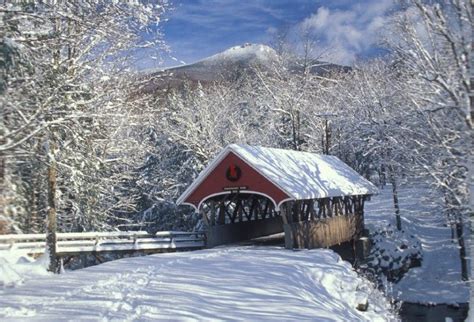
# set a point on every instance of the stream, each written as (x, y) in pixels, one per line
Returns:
(414, 312)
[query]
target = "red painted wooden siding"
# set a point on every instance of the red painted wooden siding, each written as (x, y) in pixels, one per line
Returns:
(216, 181)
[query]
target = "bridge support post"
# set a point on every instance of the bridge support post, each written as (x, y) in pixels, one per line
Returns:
(289, 239)
(208, 236)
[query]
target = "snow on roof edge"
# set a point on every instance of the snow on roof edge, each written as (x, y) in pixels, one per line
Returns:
(305, 175)
(244, 152)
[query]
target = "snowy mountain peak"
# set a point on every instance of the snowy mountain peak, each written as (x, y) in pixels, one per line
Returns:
(246, 52)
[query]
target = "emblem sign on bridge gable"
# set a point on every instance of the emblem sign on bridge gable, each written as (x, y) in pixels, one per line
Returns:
(233, 173)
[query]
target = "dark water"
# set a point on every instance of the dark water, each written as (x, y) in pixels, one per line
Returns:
(412, 312)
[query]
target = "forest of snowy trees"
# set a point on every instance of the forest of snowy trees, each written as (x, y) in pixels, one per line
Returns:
(81, 140)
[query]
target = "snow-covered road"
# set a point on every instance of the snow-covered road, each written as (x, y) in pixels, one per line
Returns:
(239, 283)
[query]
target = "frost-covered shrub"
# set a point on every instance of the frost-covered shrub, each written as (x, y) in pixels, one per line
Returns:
(166, 216)
(393, 253)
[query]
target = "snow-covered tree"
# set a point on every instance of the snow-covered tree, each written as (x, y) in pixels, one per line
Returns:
(288, 92)
(63, 96)
(432, 45)
(374, 124)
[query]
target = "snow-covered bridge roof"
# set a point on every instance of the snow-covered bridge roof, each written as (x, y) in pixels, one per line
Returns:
(296, 175)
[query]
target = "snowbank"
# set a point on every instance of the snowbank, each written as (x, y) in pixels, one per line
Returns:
(16, 267)
(239, 283)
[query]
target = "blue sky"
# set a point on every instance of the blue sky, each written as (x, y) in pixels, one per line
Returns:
(345, 30)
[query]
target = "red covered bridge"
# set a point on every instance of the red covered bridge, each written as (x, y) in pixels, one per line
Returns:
(250, 191)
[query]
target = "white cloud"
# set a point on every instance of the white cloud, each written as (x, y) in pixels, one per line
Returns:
(346, 34)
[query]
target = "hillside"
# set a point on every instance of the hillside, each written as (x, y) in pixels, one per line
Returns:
(212, 67)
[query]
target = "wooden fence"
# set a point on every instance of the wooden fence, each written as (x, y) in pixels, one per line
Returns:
(88, 242)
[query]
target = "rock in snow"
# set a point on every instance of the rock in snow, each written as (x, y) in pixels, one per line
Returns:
(234, 283)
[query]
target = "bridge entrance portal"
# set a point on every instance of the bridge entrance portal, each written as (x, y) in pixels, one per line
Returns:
(237, 216)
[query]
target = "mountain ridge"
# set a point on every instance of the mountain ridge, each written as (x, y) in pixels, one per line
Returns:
(228, 65)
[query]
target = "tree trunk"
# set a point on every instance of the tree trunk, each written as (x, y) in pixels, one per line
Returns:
(462, 249)
(383, 177)
(470, 68)
(2, 169)
(453, 232)
(396, 204)
(295, 125)
(3, 223)
(54, 265)
(325, 137)
(470, 155)
(33, 219)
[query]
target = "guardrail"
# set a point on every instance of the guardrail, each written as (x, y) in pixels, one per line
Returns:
(73, 243)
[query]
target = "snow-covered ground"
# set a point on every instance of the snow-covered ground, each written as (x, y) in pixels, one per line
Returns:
(438, 280)
(235, 283)
(246, 283)
(16, 268)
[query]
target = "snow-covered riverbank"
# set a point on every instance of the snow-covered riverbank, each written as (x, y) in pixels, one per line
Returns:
(243, 283)
(438, 280)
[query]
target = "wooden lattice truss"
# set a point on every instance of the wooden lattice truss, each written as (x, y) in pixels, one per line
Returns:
(241, 207)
